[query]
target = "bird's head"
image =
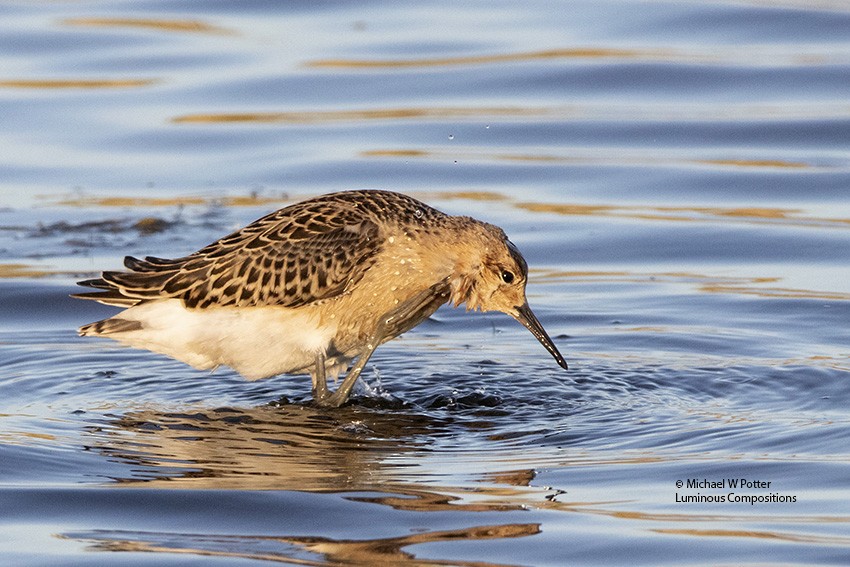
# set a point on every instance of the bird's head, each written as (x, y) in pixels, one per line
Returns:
(492, 277)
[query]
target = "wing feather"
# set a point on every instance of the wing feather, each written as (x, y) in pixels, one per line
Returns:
(307, 252)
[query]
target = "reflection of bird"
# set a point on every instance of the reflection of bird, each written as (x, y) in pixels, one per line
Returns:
(314, 286)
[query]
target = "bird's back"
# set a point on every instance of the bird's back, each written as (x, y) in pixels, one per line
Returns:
(306, 252)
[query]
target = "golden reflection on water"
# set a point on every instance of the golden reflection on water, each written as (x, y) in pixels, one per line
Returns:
(583, 112)
(185, 26)
(567, 53)
(631, 112)
(58, 84)
(294, 550)
(755, 56)
(353, 451)
(615, 158)
(226, 201)
(463, 195)
(10, 436)
(321, 116)
(778, 292)
(238, 200)
(304, 448)
(748, 215)
(288, 448)
(8, 271)
(755, 163)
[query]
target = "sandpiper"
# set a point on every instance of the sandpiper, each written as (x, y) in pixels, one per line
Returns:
(315, 287)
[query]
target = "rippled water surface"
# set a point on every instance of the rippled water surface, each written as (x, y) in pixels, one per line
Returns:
(676, 173)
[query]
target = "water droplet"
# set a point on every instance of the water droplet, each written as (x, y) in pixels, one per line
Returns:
(487, 127)
(451, 136)
(418, 213)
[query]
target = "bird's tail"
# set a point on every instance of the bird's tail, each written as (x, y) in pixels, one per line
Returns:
(109, 327)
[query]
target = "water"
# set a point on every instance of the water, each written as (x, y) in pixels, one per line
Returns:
(676, 174)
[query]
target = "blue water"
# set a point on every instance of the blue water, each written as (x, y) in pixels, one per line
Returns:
(675, 173)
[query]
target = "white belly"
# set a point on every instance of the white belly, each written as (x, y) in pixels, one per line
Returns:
(257, 342)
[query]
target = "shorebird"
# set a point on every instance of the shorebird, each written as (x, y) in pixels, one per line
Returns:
(314, 288)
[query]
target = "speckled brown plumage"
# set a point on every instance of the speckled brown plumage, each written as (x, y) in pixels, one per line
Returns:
(314, 286)
(303, 253)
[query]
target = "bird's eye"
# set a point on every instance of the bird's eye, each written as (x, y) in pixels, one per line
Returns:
(507, 277)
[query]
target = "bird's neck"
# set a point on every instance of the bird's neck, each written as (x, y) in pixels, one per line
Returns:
(465, 256)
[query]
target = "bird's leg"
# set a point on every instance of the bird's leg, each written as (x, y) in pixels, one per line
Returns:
(396, 321)
(320, 384)
(341, 395)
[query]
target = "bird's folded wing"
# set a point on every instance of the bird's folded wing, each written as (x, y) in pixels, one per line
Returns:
(293, 257)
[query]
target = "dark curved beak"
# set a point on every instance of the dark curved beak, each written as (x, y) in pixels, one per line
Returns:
(526, 317)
